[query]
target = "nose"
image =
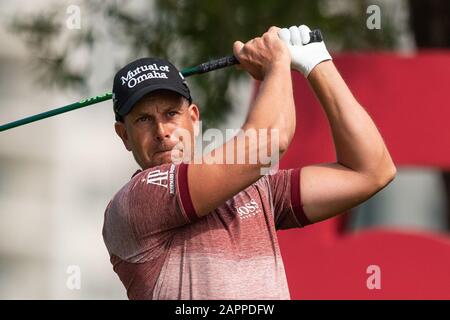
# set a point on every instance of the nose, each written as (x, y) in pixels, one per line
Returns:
(162, 131)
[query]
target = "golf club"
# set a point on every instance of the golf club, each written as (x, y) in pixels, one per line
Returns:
(315, 36)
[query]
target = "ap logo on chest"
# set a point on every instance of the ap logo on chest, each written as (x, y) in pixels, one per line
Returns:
(162, 178)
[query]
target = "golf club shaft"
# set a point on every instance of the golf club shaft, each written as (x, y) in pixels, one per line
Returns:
(212, 65)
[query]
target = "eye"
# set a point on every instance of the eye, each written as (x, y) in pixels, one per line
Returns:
(143, 119)
(172, 113)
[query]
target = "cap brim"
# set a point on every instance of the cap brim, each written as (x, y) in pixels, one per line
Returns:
(135, 97)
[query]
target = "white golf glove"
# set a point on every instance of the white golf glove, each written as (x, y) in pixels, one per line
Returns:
(304, 55)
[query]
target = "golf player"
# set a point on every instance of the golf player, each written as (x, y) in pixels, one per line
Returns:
(202, 230)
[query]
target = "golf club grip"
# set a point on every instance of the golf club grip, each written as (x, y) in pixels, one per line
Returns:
(315, 36)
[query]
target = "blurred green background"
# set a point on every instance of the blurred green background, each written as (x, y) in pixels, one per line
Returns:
(191, 32)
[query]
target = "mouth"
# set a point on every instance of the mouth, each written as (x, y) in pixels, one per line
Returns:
(167, 150)
(163, 151)
(167, 155)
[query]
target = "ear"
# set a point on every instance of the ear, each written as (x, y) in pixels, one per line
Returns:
(121, 131)
(194, 114)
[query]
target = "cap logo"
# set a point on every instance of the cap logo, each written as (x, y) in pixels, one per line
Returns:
(135, 77)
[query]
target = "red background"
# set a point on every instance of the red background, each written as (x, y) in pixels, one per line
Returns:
(407, 98)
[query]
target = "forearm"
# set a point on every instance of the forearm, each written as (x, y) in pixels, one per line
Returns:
(217, 183)
(273, 107)
(359, 145)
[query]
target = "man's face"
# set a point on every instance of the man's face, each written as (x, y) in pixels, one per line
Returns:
(148, 130)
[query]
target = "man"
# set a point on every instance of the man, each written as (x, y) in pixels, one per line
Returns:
(208, 231)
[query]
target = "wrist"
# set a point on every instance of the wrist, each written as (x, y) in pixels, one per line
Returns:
(320, 70)
(317, 53)
(279, 66)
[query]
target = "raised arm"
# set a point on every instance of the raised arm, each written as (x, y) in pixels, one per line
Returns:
(363, 165)
(267, 59)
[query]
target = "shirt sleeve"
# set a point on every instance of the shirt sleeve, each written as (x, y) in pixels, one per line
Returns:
(145, 213)
(287, 205)
(159, 200)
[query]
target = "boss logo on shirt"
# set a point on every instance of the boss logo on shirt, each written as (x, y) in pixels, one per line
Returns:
(248, 210)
